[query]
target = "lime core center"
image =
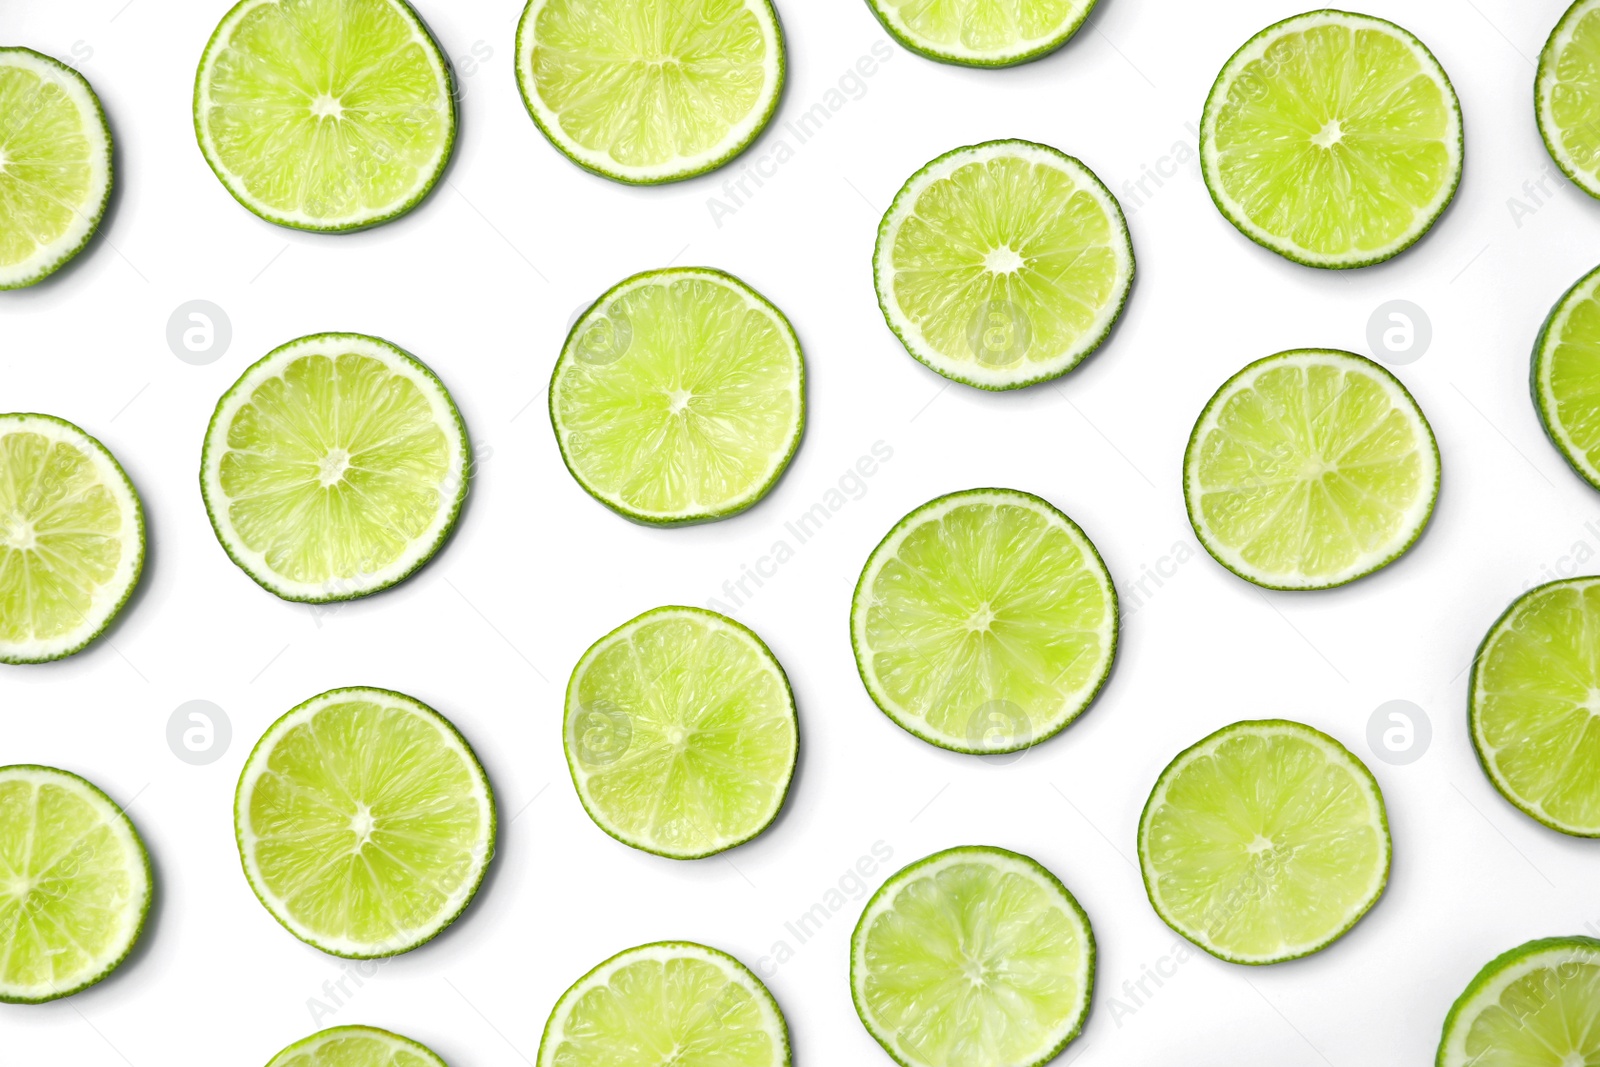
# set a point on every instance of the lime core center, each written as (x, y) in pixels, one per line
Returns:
(324, 106)
(1330, 134)
(17, 532)
(678, 400)
(332, 467)
(1003, 260)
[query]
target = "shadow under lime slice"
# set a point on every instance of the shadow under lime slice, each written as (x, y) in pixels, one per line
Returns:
(1566, 376)
(365, 822)
(680, 733)
(1264, 842)
(74, 884)
(982, 33)
(973, 955)
(334, 467)
(1536, 1004)
(55, 165)
(356, 1046)
(325, 114)
(1567, 95)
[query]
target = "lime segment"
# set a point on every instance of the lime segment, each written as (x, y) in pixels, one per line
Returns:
(356, 1046)
(1566, 376)
(1567, 94)
(1534, 1006)
(982, 33)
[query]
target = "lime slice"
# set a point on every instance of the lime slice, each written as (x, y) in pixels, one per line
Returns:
(973, 955)
(334, 467)
(1535, 1006)
(649, 91)
(364, 821)
(982, 33)
(1264, 842)
(356, 1046)
(679, 397)
(1566, 376)
(1333, 139)
(1003, 264)
(74, 884)
(668, 1002)
(71, 538)
(984, 622)
(1533, 698)
(680, 733)
(55, 165)
(1310, 469)
(325, 114)
(1567, 95)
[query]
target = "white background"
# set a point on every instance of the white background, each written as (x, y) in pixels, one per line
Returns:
(481, 282)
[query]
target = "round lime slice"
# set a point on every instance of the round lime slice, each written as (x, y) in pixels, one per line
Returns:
(1003, 264)
(325, 114)
(356, 1046)
(55, 165)
(1566, 376)
(1310, 469)
(365, 822)
(1264, 842)
(1535, 1006)
(680, 733)
(1334, 139)
(71, 538)
(679, 397)
(74, 884)
(648, 91)
(982, 33)
(1532, 702)
(334, 467)
(973, 955)
(1567, 95)
(984, 622)
(668, 1002)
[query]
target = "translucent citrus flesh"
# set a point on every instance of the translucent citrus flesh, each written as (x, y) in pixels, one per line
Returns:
(366, 825)
(682, 736)
(679, 398)
(1548, 1013)
(1338, 139)
(985, 27)
(647, 82)
(1571, 80)
(1569, 375)
(1310, 471)
(991, 624)
(51, 173)
(355, 1046)
(1536, 705)
(1264, 844)
(335, 110)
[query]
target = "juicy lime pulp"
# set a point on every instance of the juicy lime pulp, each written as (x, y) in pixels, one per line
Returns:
(1309, 469)
(74, 884)
(334, 467)
(671, 1001)
(55, 165)
(973, 955)
(1003, 264)
(71, 538)
(984, 622)
(1334, 139)
(356, 1046)
(1264, 842)
(325, 114)
(680, 733)
(365, 822)
(648, 91)
(1534, 1005)
(982, 33)
(679, 397)
(1566, 376)
(1533, 698)
(1567, 94)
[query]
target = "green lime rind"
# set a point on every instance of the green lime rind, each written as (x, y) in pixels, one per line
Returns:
(58, 253)
(308, 1051)
(777, 1027)
(778, 463)
(1483, 993)
(594, 162)
(130, 565)
(362, 221)
(1226, 391)
(574, 708)
(116, 817)
(254, 766)
(1288, 250)
(420, 551)
(1330, 746)
(967, 57)
(1545, 401)
(1544, 85)
(996, 857)
(900, 209)
(882, 553)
